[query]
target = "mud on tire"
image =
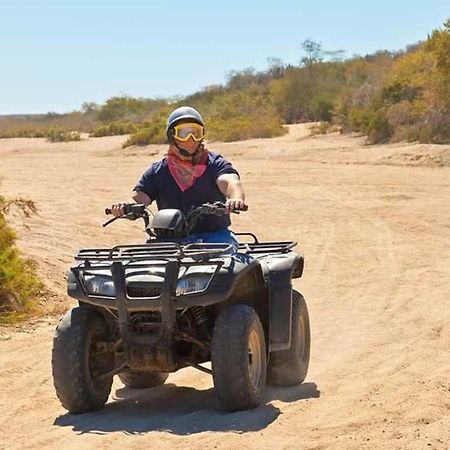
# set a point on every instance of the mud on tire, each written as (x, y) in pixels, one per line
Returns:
(76, 361)
(289, 367)
(238, 356)
(142, 380)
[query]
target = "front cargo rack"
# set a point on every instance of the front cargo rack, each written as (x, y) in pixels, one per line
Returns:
(157, 250)
(170, 250)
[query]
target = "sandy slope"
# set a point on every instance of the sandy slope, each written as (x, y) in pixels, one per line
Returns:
(373, 223)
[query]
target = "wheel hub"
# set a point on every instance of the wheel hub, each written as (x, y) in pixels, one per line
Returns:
(254, 359)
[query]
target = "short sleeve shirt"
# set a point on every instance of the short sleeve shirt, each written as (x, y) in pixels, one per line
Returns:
(157, 182)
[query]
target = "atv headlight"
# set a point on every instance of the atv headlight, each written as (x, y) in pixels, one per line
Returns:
(193, 279)
(99, 285)
(189, 284)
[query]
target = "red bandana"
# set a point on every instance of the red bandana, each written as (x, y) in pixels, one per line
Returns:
(183, 171)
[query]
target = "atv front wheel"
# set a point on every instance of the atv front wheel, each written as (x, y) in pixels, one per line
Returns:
(141, 380)
(238, 356)
(78, 361)
(289, 367)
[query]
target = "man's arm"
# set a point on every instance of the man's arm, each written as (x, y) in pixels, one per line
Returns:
(230, 185)
(141, 197)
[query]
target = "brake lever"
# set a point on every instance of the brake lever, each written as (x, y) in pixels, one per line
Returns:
(110, 221)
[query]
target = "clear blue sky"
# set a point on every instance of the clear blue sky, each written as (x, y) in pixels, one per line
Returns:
(56, 54)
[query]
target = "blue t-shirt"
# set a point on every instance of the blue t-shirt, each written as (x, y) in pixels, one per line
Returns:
(157, 182)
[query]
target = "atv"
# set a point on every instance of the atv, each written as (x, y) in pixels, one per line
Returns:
(151, 309)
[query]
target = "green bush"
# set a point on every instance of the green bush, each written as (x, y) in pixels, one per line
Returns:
(151, 132)
(378, 129)
(358, 119)
(129, 109)
(52, 134)
(22, 133)
(242, 127)
(323, 110)
(115, 129)
(19, 284)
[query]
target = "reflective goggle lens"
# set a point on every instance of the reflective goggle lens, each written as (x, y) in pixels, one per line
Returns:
(184, 131)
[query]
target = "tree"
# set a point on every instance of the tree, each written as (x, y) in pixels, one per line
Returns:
(314, 52)
(89, 107)
(276, 67)
(239, 79)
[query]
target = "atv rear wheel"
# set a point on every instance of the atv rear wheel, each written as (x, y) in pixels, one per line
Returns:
(78, 361)
(141, 380)
(289, 367)
(238, 356)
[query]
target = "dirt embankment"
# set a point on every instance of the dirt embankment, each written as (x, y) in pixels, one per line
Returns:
(373, 223)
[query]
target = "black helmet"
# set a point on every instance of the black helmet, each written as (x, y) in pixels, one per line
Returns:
(185, 113)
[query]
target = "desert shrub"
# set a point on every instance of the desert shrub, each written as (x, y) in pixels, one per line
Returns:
(19, 284)
(358, 119)
(413, 102)
(149, 132)
(129, 109)
(115, 129)
(378, 129)
(22, 133)
(241, 127)
(52, 134)
(319, 128)
(308, 93)
(399, 91)
(240, 114)
(59, 135)
(323, 109)
(400, 114)
(228, 117)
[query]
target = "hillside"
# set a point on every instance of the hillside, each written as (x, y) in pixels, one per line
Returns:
(388, 96)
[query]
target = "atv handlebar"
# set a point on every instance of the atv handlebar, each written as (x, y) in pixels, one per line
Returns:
(136, 209)
(215, 209)
(133, 211)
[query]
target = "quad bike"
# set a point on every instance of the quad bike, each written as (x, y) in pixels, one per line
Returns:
(148, 310)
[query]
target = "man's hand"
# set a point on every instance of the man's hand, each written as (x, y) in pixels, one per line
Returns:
(235, 204)
(117, 210)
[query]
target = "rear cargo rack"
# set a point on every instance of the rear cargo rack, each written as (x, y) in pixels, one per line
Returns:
(251, 248)
(140, 252)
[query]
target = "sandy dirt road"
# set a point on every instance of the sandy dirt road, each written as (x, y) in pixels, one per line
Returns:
(374, 225)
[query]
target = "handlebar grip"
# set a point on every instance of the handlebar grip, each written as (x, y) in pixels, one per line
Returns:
(108, 211)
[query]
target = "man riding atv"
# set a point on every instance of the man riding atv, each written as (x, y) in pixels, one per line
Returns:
(189, 176)
(187, 296)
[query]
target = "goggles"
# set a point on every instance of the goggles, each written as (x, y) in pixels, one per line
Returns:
(184, 131)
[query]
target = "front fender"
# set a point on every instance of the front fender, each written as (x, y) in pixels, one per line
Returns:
(279, 270)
